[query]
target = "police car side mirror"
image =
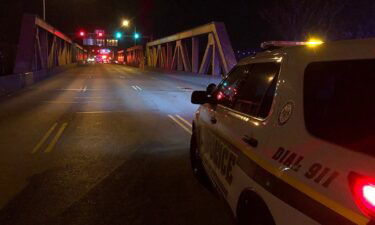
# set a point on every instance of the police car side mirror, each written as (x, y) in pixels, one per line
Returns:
(211, 88)
(200, 97)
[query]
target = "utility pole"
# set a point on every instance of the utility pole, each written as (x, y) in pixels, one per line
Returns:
(44, 10)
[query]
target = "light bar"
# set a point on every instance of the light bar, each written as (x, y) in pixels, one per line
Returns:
(280, 44)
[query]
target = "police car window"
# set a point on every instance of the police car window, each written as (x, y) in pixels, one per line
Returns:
(257, 93)
(339, 103)
(228, 89)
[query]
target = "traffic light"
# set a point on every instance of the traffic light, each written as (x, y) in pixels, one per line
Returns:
(136, 35)
(118, 35)
(82, 33)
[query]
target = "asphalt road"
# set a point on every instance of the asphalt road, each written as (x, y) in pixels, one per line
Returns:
(103, 145)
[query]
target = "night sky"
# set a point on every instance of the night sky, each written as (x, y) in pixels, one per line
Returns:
(160, 18)
(157, 17)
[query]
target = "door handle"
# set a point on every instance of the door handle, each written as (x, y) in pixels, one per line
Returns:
(213, 120)
(250, 141)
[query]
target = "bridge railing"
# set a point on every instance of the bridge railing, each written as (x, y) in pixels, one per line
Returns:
(182, 51)
(42, 47)
(42, 51)
(135, 56)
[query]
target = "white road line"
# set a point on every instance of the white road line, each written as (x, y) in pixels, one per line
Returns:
(97, 112)
(183, 120)
(84, 89)
(79, 89)
(103, 102)
(180, 124)
(138, 87)
(60, 102)
(88, 97)
(134, 88)
(70, 89)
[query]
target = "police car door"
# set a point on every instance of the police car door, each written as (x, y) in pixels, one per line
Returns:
(209, 143)
(245, 127)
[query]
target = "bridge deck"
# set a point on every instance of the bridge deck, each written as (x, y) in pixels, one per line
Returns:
(102, 144)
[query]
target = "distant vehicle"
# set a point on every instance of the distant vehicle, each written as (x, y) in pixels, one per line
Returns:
(288, 136)
(102, 59)
(91, 60)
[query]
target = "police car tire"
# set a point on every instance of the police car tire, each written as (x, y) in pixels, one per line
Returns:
(252, 210)
(196, 164)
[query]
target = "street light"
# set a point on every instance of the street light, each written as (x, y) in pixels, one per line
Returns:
(125, 23)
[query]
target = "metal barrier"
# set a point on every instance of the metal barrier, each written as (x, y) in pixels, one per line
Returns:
(41, 47)
(173, 53)
(42, 51)
(135, 56)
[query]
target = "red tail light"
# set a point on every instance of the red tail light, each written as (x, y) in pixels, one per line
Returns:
(363, 190)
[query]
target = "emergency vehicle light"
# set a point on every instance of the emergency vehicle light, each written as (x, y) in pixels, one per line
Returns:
(314, 42)
(369, 193)
(363, 190)
(280, 44)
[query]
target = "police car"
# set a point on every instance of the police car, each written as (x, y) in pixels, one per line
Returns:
(288, 136)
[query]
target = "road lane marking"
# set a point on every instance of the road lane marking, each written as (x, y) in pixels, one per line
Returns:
(84, 89)
(180, 124)
(136, 87)
(61, 102)
(80, 89)
(44, 138)
(94, 112)
(88, 97)
(70, 89)
(56, 138)
(183, 120)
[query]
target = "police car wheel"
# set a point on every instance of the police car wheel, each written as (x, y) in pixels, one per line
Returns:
(252, 210)
(196, 164)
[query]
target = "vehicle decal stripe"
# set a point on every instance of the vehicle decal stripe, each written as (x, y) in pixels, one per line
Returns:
(297, 194)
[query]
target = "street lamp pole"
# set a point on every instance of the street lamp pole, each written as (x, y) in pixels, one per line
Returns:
(44, 10)
(126, 23)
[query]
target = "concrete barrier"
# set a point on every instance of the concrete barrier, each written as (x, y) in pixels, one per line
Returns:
(14, 82)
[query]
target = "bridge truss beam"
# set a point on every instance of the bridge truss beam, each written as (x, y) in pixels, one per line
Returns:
(182, 51)
(42, 47)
